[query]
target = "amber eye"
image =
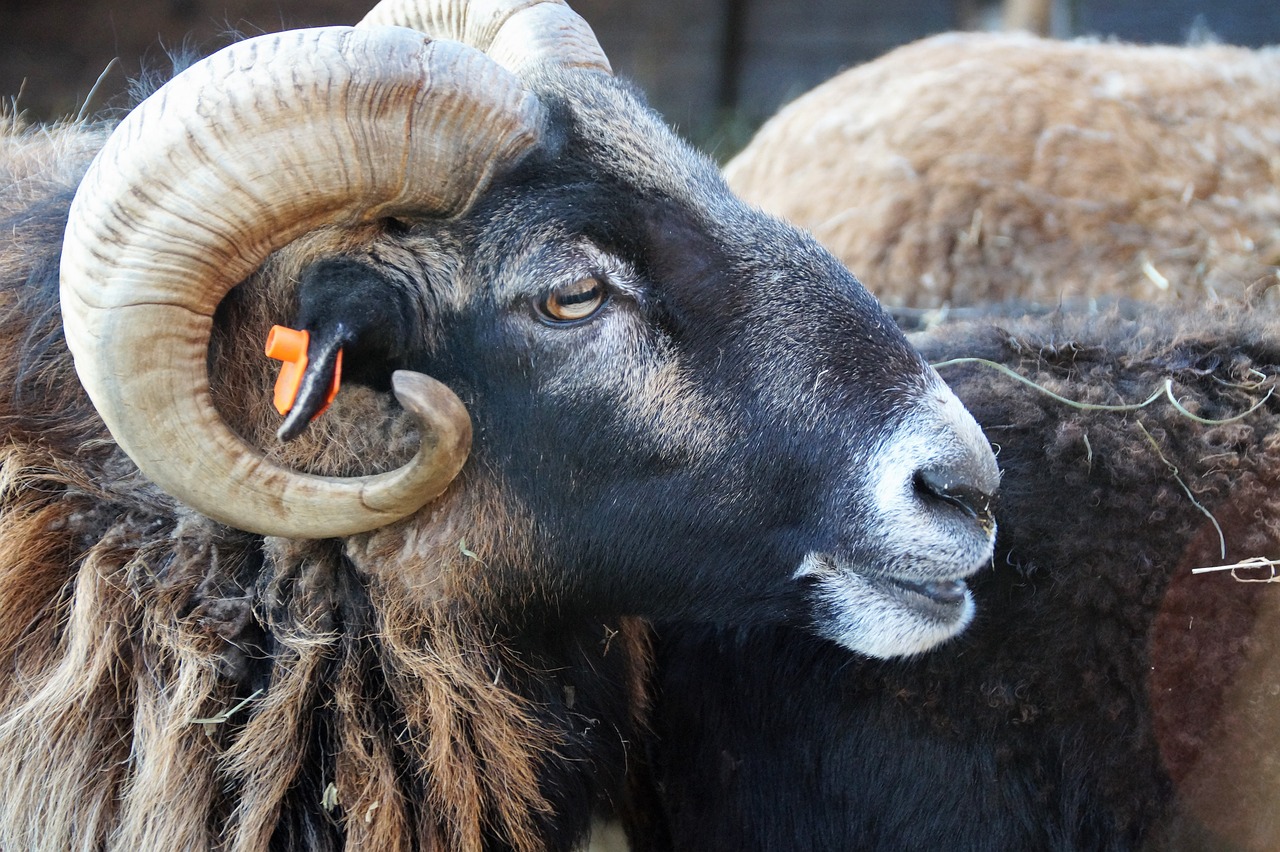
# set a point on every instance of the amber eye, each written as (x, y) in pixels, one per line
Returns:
(574, 302)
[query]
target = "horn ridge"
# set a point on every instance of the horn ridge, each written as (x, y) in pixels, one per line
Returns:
(516, 34)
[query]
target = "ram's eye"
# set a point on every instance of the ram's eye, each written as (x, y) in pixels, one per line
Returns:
(574, 302)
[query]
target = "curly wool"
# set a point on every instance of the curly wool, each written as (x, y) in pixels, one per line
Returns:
(968, 168)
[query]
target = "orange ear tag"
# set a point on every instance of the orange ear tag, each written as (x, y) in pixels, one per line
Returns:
(290, 346)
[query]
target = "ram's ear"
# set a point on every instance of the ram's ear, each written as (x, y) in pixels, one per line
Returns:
(347, 308)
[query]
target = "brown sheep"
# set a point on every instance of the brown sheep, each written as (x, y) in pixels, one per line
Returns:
(968, 168)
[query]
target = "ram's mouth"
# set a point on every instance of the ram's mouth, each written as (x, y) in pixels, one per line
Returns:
(939, 593)
(881, 614)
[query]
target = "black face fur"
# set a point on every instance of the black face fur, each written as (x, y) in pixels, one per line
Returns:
(665, 439)
(717, 419)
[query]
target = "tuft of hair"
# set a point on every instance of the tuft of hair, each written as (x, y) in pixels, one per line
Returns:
(154, 74)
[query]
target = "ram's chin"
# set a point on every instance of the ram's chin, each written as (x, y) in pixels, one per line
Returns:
(882, 616)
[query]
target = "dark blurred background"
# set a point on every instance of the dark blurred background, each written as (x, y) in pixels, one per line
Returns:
(715, 68)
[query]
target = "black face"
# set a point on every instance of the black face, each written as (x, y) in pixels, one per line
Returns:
(705, 415)
(642, 393)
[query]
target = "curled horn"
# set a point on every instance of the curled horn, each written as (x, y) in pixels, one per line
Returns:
(516, 34)
(231, 160)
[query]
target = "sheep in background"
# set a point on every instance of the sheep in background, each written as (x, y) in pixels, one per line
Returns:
(967, 168)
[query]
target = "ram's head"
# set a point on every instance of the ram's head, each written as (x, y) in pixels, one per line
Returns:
(698, 410)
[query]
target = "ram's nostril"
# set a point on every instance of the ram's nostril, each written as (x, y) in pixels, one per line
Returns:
(950, 487)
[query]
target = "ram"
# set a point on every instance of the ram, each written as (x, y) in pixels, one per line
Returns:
(612, 390)
(969, 168)
(1105, 697)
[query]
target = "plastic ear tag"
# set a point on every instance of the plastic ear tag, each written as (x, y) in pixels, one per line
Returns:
(290, 346)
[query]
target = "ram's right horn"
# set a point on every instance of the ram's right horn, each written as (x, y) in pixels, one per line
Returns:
(231, 160)
(517, 34)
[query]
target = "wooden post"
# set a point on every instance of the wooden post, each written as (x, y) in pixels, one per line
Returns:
(1033, 16)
